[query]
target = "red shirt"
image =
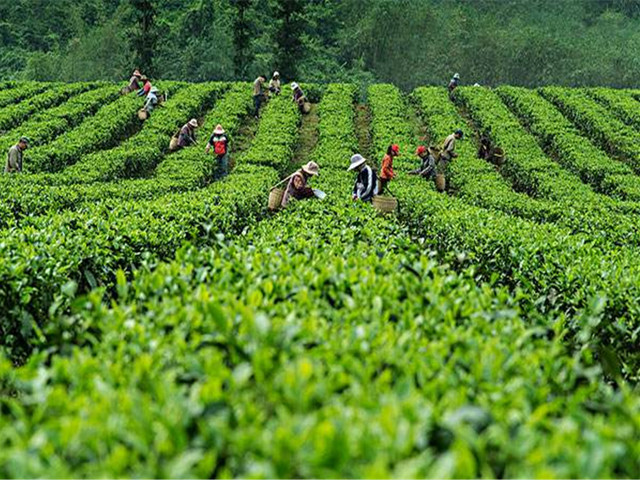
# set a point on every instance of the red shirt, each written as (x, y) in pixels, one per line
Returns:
(386, 172)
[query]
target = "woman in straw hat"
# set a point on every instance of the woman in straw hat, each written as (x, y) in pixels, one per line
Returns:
(187, 134)
(366, 185)
(219, 142)
(297, 187)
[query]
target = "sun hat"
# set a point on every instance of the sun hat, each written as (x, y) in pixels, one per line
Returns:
(356, 161)
(294, 85)
(395, 149)
(311, 168)
(154, 90)
(276, 74)
(218, 130)
(457, 76)
(421, 149)
(193, 122)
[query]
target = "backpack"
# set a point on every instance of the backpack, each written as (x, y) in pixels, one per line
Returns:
(220, 146)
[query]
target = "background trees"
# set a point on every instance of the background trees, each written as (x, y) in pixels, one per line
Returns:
(407, 42)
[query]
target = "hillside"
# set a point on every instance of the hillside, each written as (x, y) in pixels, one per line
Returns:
(160, 322)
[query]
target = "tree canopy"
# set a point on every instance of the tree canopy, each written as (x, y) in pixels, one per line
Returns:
(406, 42)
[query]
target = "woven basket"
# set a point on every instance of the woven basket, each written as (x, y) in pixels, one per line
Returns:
(125, 90)
(143, 114)
(173, 144)
(306, 107)
(385, 204)
(275, 198)
(441, 183)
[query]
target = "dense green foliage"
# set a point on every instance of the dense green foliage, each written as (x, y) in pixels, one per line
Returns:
(407, 42)
(158, 321)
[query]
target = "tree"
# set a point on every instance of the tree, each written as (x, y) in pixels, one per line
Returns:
(290, 27)
(145, 36)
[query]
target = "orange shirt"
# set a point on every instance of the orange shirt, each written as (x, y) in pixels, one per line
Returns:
(386, 172)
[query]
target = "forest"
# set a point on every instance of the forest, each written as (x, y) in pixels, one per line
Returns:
(405, 42)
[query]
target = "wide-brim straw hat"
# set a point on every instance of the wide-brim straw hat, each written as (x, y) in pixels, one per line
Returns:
(193, 122)
(356, 161)
(311, 168)
(218, 130)
(294, 85)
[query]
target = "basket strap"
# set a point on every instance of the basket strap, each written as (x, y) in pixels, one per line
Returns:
(282, 181)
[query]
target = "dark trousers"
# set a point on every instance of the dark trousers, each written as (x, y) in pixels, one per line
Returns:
(257, 102)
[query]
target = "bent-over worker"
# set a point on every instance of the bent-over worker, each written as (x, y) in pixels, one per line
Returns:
(298, 95)
(366, 185)
(427, 165)
(220, 144)
(297, 187)
(386, 171)
(134, 81)
(274, 84)
(14, 156)
(145, 88)
(187, 134)
(152, 100)
(449, 150)
(258, 94)
(484, 152)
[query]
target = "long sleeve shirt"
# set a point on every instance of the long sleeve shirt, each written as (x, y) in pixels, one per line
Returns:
(366, 185)
(257, 87)
(298, 95)
(386, 172)
(134, 83)
(297, 188)
(151, 101)
(14, 160)
(274, 85)
(187, 136)
(449, 147)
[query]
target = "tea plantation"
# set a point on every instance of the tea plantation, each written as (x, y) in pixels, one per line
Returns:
(158, 322)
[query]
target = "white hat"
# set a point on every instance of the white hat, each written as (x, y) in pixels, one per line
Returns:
(153, 90)
(476, 84)
(356, 161)
(294, 85)
(276, 74)
(311, 168)
(218, 130)
(457, 76)
(193, 122)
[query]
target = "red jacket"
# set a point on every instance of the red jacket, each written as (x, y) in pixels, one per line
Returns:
(386, 172)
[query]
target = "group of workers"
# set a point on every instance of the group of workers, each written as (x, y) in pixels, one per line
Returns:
(368, 183)
(142, 85)
(260, 93)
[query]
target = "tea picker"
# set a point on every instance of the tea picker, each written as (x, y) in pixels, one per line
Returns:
(220, 144)
(366, 184)
(453, 83)
(14, 156)
(300, 98)
(386, 171)
(297, 187)
(447, 154)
